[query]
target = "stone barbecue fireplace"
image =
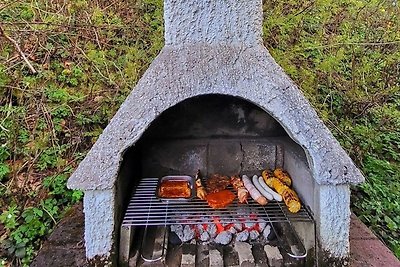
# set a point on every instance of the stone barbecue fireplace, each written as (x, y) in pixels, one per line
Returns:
(215, 100)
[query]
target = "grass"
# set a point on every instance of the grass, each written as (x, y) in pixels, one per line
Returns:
(345, 56)
(88, 55)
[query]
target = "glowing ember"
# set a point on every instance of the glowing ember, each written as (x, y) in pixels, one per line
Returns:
(223, 230)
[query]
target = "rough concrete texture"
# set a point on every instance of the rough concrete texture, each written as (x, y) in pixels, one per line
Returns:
(227, 156)
(332, 210)
(250, 73)
(174, 157)
(225, 159)
(274, 256)
(245, 254)
(258, 156)
(216, 259)
(210, 21)
(99, 222)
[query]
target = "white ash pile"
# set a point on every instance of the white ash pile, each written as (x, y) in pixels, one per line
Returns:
(224, 230)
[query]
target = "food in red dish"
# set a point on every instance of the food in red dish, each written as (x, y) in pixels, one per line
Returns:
(174, 189)
(220, 199)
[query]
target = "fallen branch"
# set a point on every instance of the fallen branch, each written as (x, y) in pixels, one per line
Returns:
(19, 50)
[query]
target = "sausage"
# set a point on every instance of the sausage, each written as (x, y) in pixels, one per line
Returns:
(254, 193)
(276, 196)
(263, 192)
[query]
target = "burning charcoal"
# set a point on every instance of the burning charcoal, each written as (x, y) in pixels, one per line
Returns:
(267, 233)
(242, 236)
(188, 233)
(223, 238)
(254, 234)
(238, 226)
(202, 233)
(178, 230)
(232, 230)
(205, 236)
(199, 227)
(249, 225)
(261, 224)
(212, 230)
(225, 222)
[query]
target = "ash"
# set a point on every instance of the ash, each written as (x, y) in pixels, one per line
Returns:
(223, 238)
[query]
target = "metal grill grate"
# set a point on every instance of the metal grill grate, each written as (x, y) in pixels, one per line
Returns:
(146, 209)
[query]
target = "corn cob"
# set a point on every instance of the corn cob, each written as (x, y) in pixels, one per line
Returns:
(289, 196)
(266, 174)
(283, 176)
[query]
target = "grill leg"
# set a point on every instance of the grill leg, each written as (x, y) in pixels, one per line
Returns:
(125, 245)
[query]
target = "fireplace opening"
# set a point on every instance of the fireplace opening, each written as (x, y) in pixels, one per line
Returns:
(214, 134)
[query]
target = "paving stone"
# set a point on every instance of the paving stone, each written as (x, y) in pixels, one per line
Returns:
(245, 254)
(189, 251)
(260, 256)
(274, 256)
(216, 259)
(231, 257)
(371, 252)
(202, 256)
(359, 230)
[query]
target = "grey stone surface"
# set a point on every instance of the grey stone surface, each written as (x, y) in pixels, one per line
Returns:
(98, 207)
(258, 156)
(280, 155)
(274, 256)
(245, 254)
(198, 21)
(226, 158)
(174, 157)
(333, 213)
(216, 259)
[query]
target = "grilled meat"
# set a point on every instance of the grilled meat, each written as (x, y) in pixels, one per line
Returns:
(217, 183)
(238, 185)
(220, 199)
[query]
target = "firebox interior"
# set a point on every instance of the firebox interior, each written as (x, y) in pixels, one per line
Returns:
(215, 134)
